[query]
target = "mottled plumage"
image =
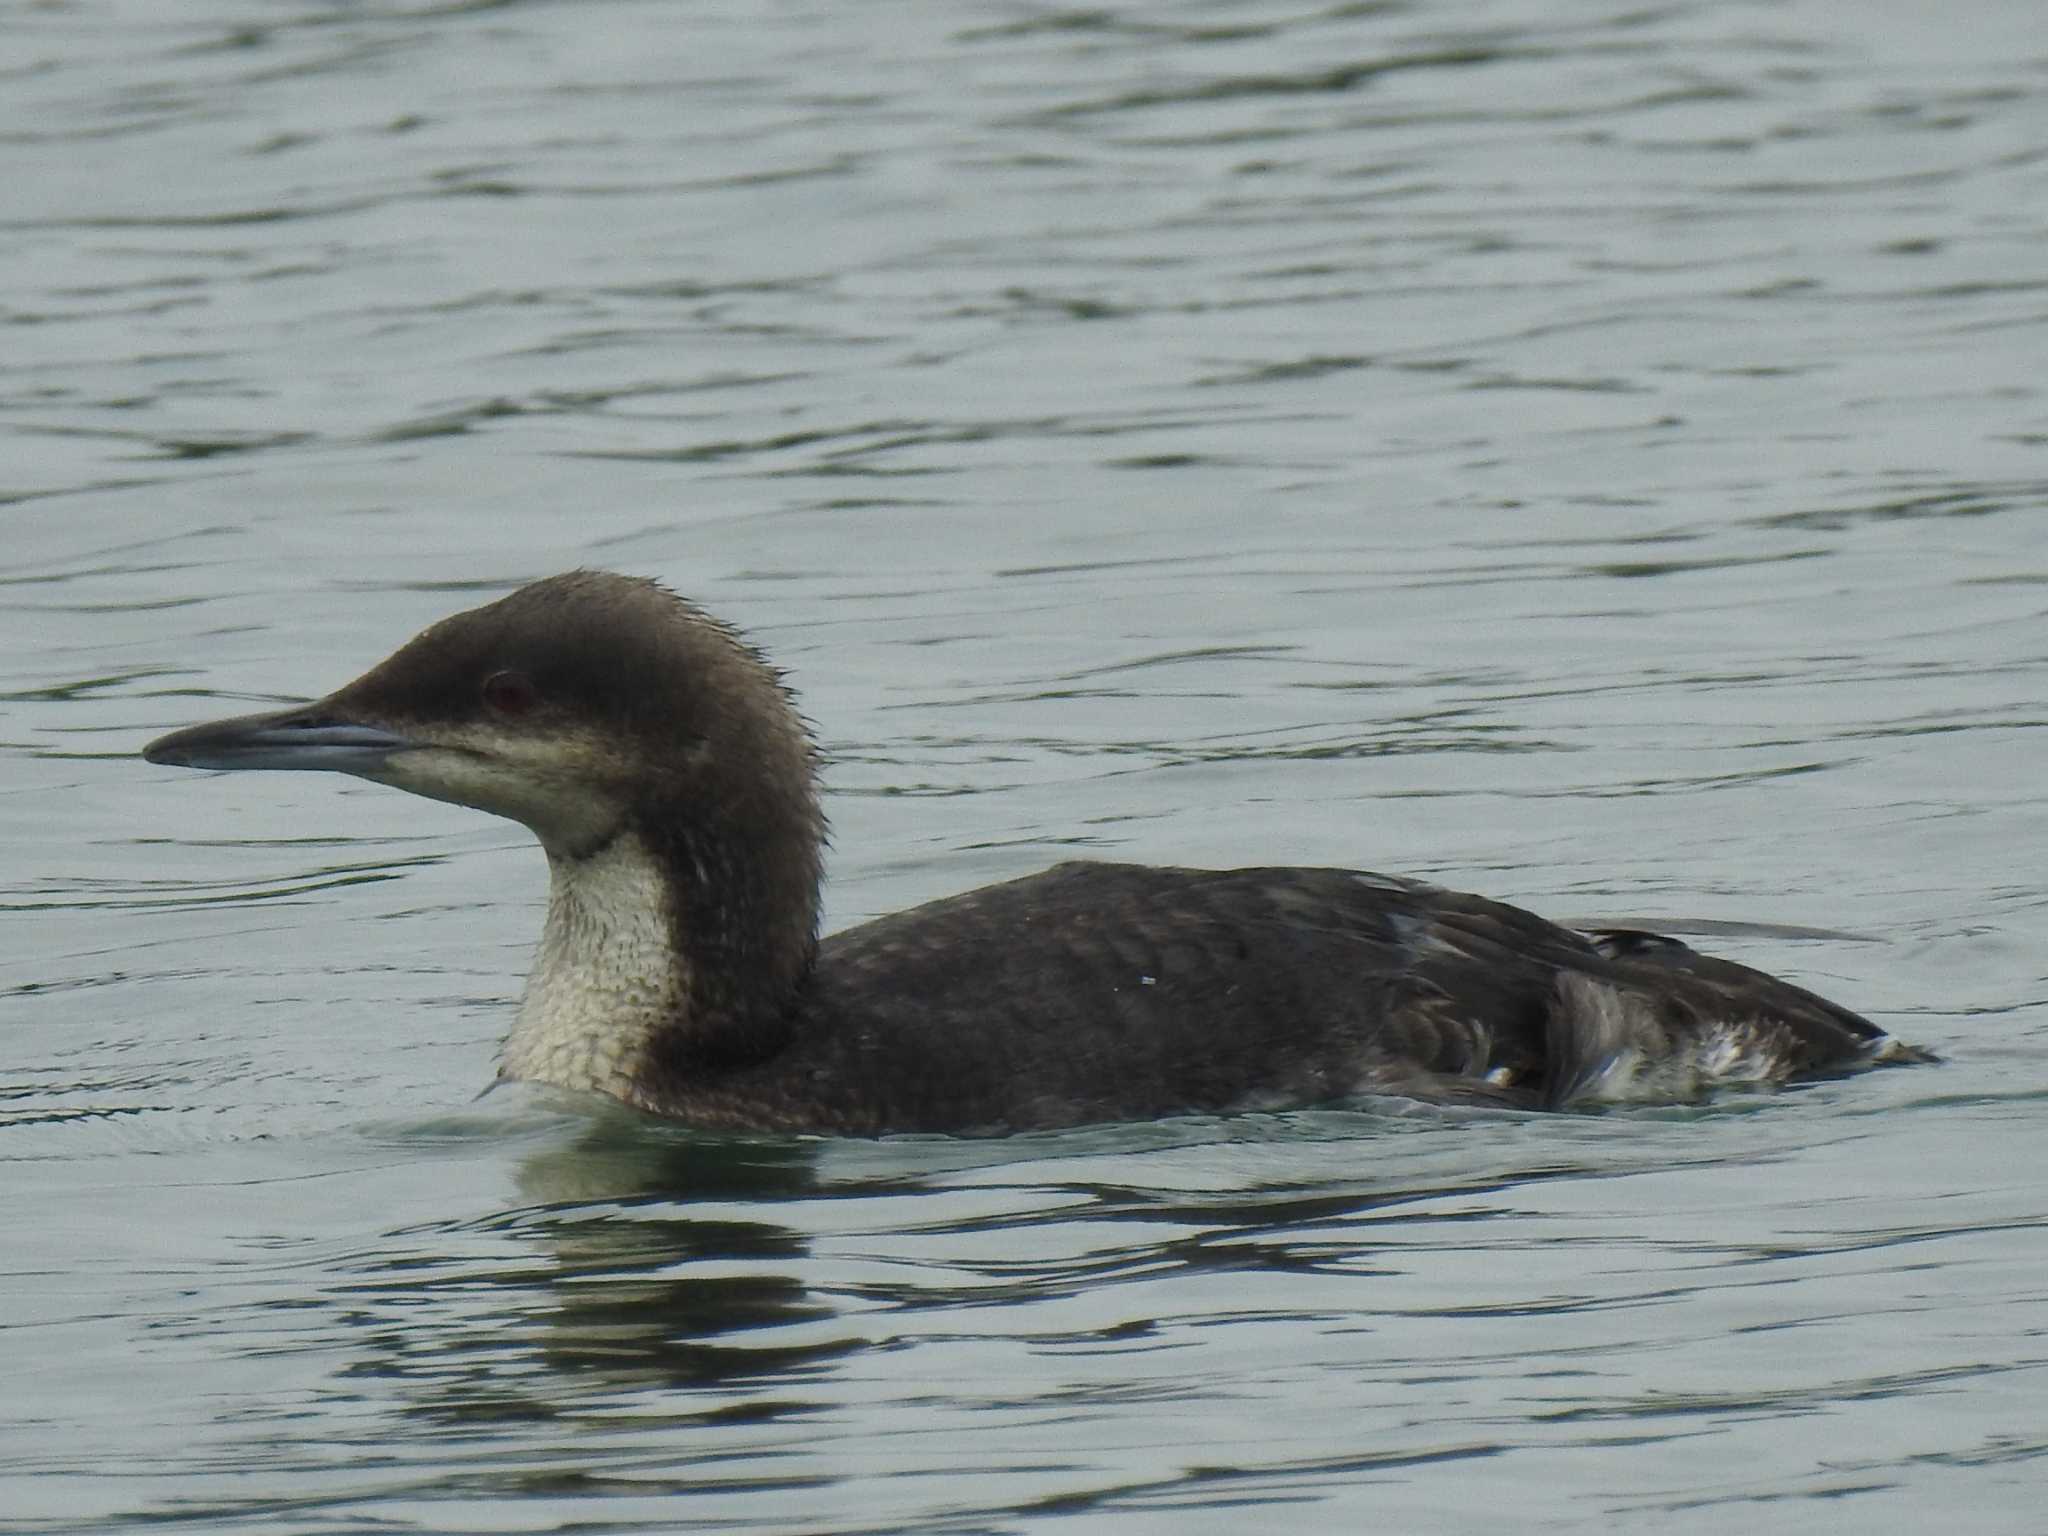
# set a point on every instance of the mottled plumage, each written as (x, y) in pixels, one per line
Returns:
(1099, 992)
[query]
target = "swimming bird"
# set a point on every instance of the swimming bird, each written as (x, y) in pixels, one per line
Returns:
(662, 764)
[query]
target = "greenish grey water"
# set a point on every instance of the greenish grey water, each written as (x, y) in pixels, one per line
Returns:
(1589, 455)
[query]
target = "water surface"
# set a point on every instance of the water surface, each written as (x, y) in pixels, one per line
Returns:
(1589, 454)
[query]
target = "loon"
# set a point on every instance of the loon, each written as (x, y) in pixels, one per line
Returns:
(662, 764)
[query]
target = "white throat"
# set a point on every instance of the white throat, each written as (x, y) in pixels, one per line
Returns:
(606, 977)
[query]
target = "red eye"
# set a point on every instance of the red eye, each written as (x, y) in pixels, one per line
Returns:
(510, 693)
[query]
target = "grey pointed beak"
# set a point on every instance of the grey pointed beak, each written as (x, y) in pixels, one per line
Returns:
(308, 736)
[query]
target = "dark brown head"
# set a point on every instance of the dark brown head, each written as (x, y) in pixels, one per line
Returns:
(585, 706)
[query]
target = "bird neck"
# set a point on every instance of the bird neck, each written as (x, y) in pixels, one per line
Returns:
(667, 957)
(607, 977)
